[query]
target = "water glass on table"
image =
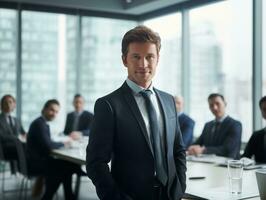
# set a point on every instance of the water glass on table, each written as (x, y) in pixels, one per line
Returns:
(235, 174)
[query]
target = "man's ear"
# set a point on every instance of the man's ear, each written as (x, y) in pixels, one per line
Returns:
(124, 59)
(158, 58)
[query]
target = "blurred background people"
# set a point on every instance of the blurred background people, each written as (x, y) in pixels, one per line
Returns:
(221, 136)
(186, 123)
(10, 129)
(78, 122)
(257, 143)
(39, 147)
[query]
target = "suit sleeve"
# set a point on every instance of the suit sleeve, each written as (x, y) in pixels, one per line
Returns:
(66, 129)
(249, 150)
(231, 144)
(87, 121)
(180, 157)
(99, 151)
(187, 132)
(45, 141)
(199, 140)
(21, 129)
(180, 161)
(7, 140)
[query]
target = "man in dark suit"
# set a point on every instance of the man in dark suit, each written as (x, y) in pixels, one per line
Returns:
(136, 128)
(10, 129)
(39, 146)
(78, 122)
(186, 123)
(221, 136)
(257, 143)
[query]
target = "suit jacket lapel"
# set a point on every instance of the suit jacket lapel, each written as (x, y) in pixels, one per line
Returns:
(5, 124)
(136, 112)
(164, 114)
(223, 127)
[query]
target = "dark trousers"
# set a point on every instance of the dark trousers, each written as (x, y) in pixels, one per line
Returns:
(56, 172)
(53, 182)
(159, 191)
(10, 154)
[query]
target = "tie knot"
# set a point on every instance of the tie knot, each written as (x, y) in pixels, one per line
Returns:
(217, 123)
(146, 93)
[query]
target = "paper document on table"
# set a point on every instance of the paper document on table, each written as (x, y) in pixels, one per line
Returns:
(60, 138)
(207, 158)
(222, 193)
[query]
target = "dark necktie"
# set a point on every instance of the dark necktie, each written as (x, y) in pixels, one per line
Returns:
(160, 162)
(75, 122)
(215, 130)
(10, 121)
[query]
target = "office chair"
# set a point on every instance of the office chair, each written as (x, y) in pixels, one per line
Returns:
(3, 177)
(23, 170)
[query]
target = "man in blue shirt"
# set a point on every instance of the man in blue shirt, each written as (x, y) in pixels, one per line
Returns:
(185, 122)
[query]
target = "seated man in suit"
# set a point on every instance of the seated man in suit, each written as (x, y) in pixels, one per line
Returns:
(185, 122)
(10, 129)
(78, 122)
(221, 136)
(257, 143)
(39, 146)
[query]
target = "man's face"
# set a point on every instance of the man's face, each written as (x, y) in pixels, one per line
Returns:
(217, 106)
(9, 105)
(263, 109)
(178, 104)
(78, 104)
(141, 62)
(51, 112)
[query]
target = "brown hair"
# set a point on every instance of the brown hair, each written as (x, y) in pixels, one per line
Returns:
(48, 103)
(262, 100)
(214, 95)
(140, 34)
(4, 99)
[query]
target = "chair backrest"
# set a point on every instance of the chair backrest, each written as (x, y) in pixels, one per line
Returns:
(2, 157)
(22, 160)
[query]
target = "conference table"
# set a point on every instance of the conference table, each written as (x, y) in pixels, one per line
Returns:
(206, 179)
(76, 153)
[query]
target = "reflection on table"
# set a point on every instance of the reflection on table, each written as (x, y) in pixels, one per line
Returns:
(215, 184)
(76, 153)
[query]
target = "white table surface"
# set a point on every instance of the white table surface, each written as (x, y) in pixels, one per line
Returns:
(76, 153)
(216, 183)
(214, 186)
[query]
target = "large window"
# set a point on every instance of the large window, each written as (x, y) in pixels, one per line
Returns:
(8, 32)
(264, 48)
(168, 77)
(45, 52)
(61, 58)
(72, 60)
(221, 61)
(57, 62)
(102, 69)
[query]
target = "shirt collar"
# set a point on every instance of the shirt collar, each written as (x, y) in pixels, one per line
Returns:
(221, 119)
(180, 113)
(45, 120)
(7, 114)
(78, 113)
(136, 88)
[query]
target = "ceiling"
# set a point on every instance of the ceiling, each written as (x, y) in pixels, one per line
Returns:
(131, 7)
(136, 10)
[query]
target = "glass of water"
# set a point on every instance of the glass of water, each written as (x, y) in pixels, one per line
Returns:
(235, 174)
